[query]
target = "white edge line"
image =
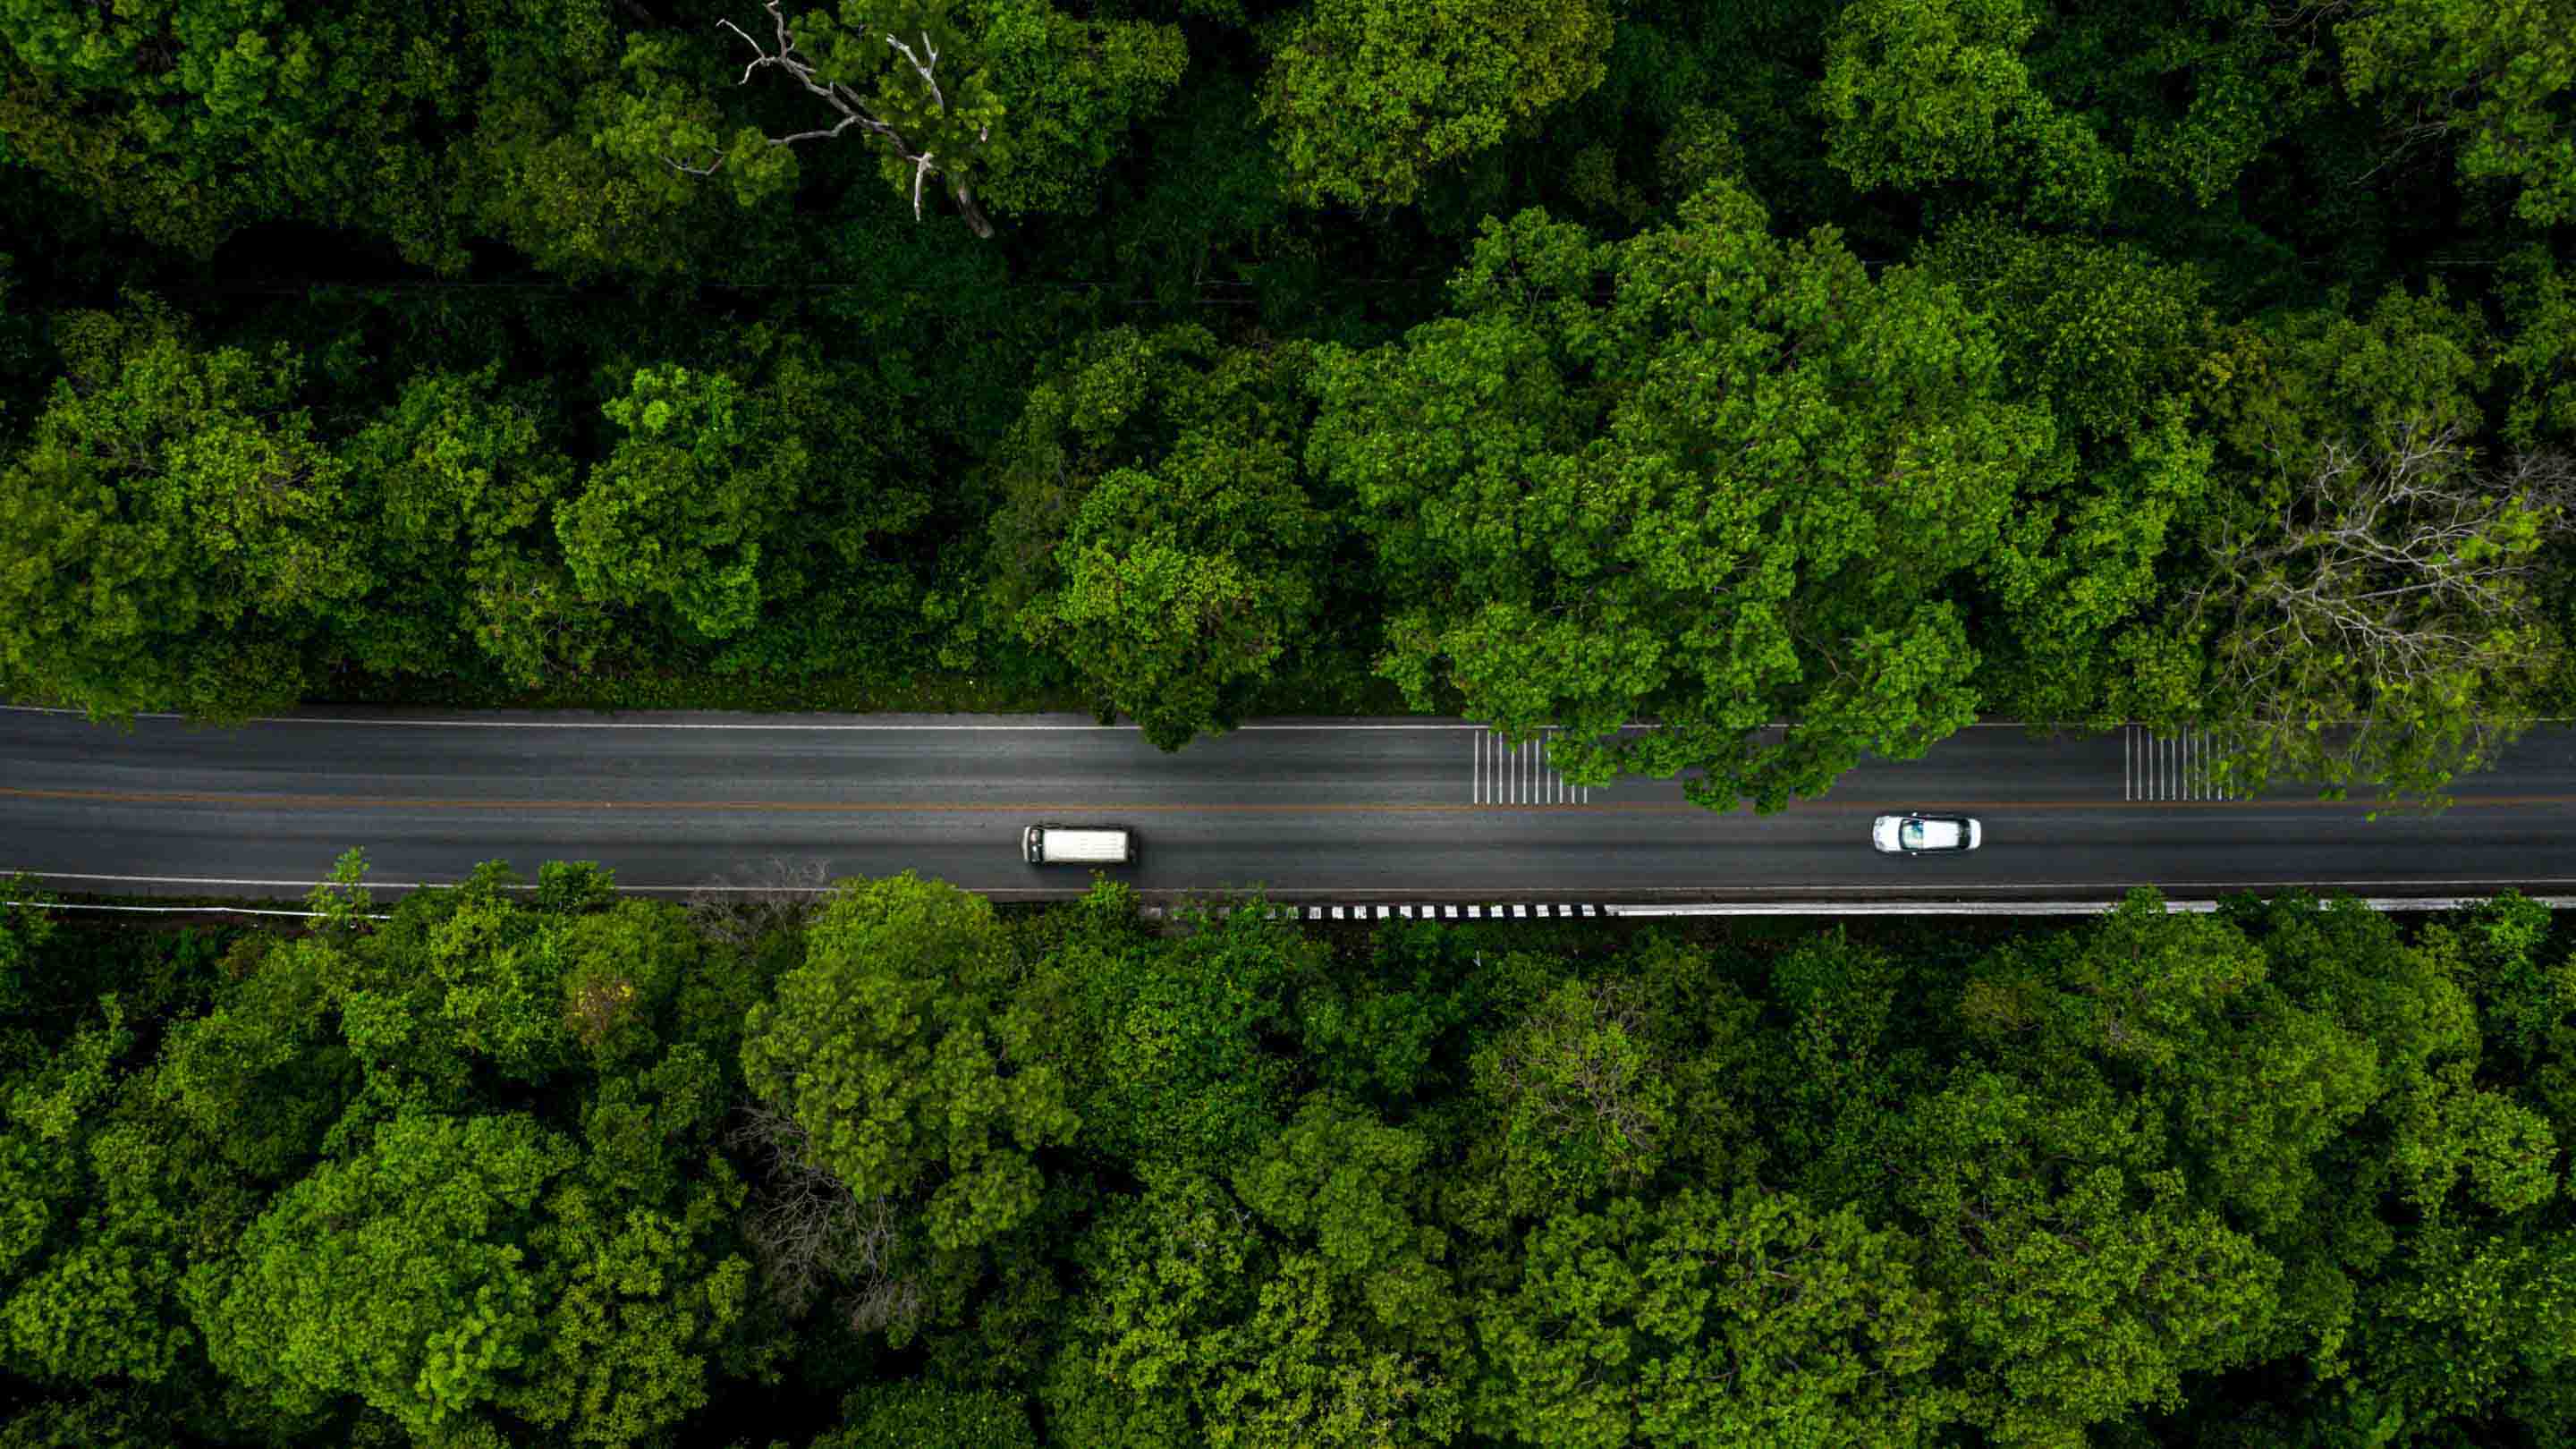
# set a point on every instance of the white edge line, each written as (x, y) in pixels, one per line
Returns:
(399, 722)
(2382, 883)
(1787, 907)
(187, 910)
(2028, 908)
(1751, 908)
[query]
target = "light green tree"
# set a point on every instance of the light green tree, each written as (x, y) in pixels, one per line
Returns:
(2368, 610)
(176, 531)
(2080, 1289)
(679, 512)
(1368, 98)
(1921, 92)
(1702, 1319)
(1581, 1104)
(899, 1049)
(398, 1277)
(1183, 591)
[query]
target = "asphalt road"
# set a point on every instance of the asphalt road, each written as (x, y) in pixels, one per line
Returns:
(1343, 810)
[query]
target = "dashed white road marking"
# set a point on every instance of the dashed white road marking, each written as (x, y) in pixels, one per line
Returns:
(1500, 772)
(2169, 767)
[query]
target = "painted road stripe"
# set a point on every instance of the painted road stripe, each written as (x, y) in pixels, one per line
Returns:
(2375, 883)
(917, 807)
(1731, 908)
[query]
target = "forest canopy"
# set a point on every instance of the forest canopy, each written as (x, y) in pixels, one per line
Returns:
(1859, 367)
(1868, 366)
(885, 1167)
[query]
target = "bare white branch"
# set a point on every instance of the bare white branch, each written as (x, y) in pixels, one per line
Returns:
(853, 109)
(921, 67)
(2402, 570)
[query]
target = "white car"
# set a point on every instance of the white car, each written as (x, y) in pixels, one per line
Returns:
(1925, 834)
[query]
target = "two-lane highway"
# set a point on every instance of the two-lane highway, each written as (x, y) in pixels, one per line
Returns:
(1361, 809)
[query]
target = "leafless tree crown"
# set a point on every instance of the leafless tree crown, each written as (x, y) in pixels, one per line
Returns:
(855, 112)
(777, 894)
(2385, 570)
(812, 1235)
(2389, 557)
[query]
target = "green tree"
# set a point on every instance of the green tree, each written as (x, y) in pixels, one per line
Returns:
(651, 1300)
(1168, 1055)
(2104, 332)
(2086, 1290)
(89, 1252)
(1154, 529)
(1368, 98)
(918, 1415)
(1727, 495)
(2194, 93)
(688, 515)
(428, 126)
(262, 1075)
(25, 926)
(398, 1277)
(1348, 1188)
(176, 533)
(2540, 355)
(1921, 92)
(193, 117)
(2490, 80)
(1701, 1319)
(460, 484)
(1177, 591)
(1196, 1331)
(553, 163)
(898, 1046)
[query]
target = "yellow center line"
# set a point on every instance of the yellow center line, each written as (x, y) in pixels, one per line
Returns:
(261, 801)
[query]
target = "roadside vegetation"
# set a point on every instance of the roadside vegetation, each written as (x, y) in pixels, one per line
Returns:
(885, 1168)
(1868, 364)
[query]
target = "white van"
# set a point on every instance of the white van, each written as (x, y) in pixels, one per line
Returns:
(1078, 845)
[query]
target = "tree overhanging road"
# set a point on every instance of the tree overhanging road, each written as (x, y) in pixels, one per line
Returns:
(1352, 810)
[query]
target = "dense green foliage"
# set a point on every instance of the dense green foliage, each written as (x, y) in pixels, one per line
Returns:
(546, 1166)
(1863, 366)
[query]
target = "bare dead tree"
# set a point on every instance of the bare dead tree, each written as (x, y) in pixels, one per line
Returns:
(811, 1235)
(775, 895)
(918, 51)
(2402, 571)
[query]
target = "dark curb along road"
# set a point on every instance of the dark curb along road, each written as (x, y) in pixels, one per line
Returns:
(1413, 811)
